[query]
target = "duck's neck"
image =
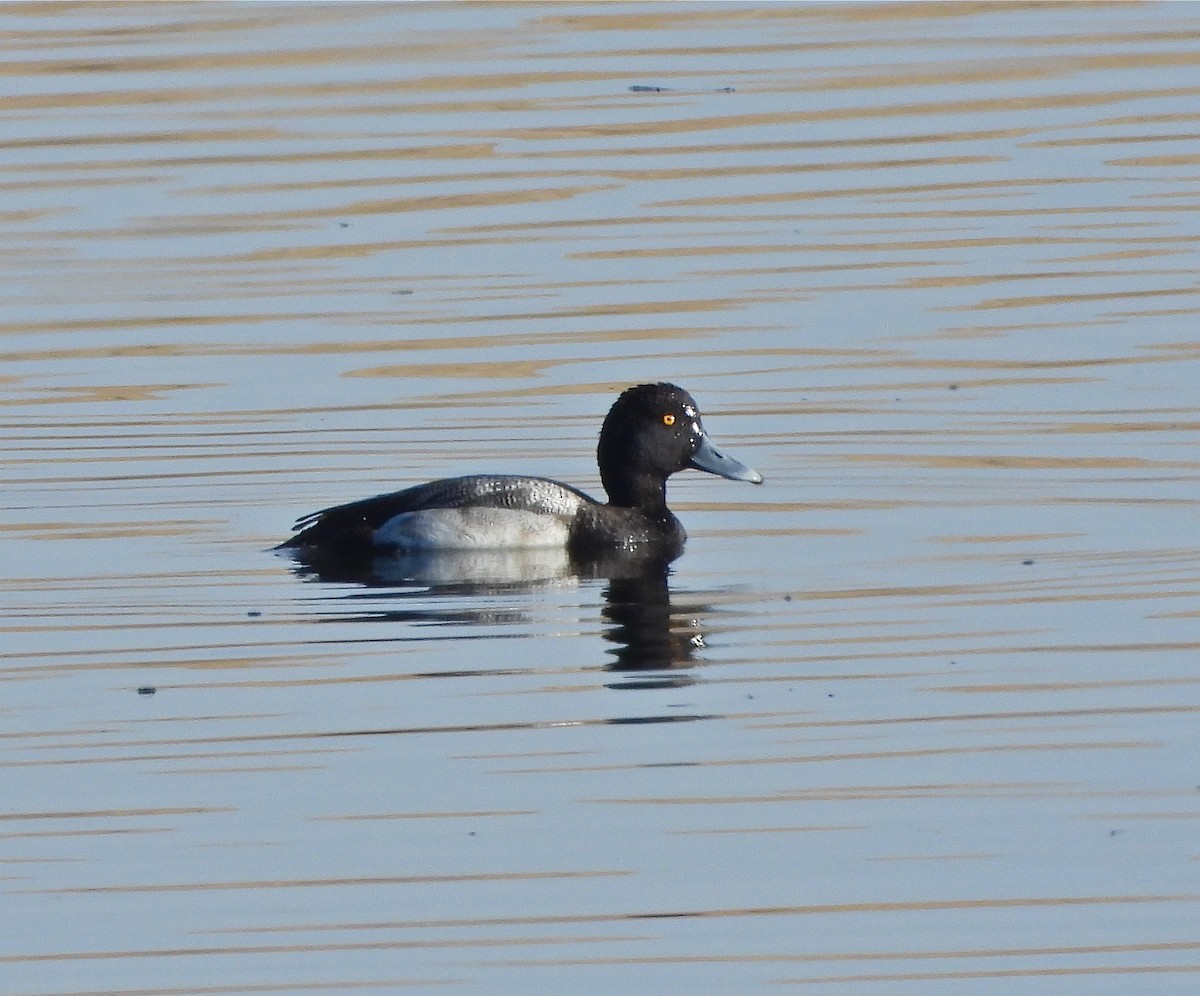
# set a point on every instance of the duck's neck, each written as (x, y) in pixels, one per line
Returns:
(644, 494)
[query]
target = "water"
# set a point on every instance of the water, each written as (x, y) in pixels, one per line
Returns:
(917, 715)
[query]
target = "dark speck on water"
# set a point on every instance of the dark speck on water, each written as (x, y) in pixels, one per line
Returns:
(147, 690)
(645, 88)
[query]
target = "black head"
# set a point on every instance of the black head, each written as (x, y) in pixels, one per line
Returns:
(651, 432)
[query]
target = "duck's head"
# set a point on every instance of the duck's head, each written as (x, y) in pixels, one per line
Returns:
(651, 432)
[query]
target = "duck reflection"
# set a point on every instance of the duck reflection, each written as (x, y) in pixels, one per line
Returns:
(647, 631)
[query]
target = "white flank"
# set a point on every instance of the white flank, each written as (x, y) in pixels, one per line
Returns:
(471, 529)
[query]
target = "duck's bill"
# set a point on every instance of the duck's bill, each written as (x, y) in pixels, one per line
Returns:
(708, 457)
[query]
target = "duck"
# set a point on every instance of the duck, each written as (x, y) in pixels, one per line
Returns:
(651, 432)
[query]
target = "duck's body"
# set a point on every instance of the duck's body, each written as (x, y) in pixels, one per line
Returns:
(651, 432)
(483, 511)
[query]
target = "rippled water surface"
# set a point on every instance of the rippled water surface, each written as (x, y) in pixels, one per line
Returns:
(918, 715)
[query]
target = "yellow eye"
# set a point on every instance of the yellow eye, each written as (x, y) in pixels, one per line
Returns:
(668, 419)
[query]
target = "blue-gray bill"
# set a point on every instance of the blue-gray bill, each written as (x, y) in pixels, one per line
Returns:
(708, 457)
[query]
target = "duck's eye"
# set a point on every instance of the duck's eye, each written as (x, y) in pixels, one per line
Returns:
(668, 419)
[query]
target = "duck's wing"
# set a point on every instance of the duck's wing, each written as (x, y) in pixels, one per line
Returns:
(355, 523)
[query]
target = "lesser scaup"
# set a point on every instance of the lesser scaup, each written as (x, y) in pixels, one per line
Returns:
(652, 431)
